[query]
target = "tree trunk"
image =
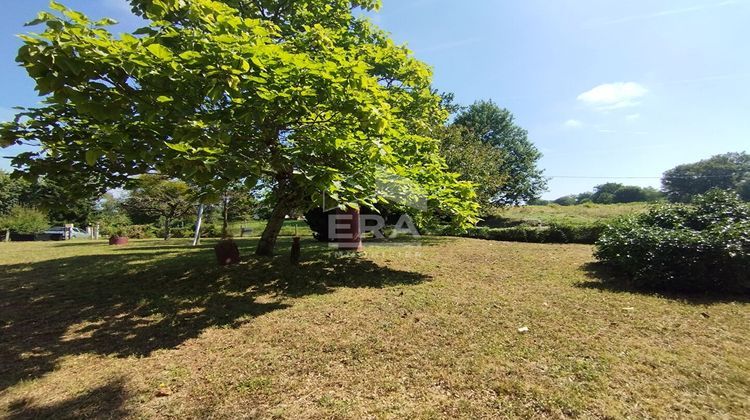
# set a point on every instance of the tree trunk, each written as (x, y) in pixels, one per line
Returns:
(7, 235)
(167, 231)
(271, 233)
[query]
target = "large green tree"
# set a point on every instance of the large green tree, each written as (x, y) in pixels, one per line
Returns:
(475, 160)
(524, 181)
(304, 96)
(730, 171)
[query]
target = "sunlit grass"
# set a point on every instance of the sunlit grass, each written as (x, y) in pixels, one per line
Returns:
(423, 330)
(580, 214)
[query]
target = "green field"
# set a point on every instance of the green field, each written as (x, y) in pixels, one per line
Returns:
(424, 330)
(553, 213)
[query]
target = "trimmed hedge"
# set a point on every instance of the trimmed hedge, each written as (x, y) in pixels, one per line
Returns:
(704, 246)
(554, 233)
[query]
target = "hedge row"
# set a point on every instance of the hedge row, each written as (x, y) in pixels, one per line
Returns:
(554, 233)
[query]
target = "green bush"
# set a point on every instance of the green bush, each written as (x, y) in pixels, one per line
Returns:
(24, 220)
(704, 246)
(211, 231)
(182, 232)
(137, 231)
(554, 233)
(110, 224)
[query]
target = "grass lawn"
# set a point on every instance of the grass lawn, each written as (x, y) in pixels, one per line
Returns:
(553, 213)
(155, 330)
(290, 228)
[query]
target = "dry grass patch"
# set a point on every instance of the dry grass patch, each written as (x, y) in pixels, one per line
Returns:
(156, 330)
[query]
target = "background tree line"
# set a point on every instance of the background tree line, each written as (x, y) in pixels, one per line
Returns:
(728, 172)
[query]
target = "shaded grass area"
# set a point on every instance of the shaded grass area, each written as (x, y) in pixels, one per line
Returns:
(420, 330)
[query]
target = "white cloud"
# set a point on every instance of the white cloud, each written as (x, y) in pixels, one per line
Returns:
(573, 124)
(614, 95)
(633, 117)
(671, 12)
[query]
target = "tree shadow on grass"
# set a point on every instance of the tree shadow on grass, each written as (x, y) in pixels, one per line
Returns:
(131, 302)
(604, 278)
(105, 402)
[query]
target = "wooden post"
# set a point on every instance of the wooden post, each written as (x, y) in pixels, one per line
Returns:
(296, 250)
(68, 231)
(198, 223)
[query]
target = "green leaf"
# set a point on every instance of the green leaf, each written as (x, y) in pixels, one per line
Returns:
(190, 55)
(164, 99)
(92, 156)
(159, 51)
(106, 22)
(57, 6)
(179, 147)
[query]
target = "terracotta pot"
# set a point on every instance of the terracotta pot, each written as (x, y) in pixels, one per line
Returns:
(227, 252)
(118, 240)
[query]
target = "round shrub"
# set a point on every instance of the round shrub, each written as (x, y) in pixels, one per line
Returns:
(704, 246)
(24, 220)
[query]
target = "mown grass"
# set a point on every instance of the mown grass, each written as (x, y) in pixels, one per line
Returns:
(422, 330)
(553, 213)
(290, 228)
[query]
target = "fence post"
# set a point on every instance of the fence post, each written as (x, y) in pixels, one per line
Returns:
(68, 232)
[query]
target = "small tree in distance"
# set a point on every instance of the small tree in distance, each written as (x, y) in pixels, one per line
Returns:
(23, 220)
(160, 197)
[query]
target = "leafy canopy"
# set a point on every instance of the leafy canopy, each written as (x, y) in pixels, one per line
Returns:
(496, 126)
(25, 220)
(162, 198)
(302, 95)
(730, 171)
(475, 160)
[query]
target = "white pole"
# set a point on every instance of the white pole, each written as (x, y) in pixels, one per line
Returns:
(197, 238)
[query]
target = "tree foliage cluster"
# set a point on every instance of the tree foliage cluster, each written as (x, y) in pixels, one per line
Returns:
(487, 146)
(612, 193)
(307, 97)
(703, 246)
(51, 197)
(730, 171)
(23, 220)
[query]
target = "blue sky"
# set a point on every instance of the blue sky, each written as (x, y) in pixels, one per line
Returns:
(606, 88)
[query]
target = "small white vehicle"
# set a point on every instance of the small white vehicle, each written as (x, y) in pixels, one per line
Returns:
(57, 233)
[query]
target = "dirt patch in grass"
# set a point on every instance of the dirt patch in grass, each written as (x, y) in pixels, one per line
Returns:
(155, 329)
